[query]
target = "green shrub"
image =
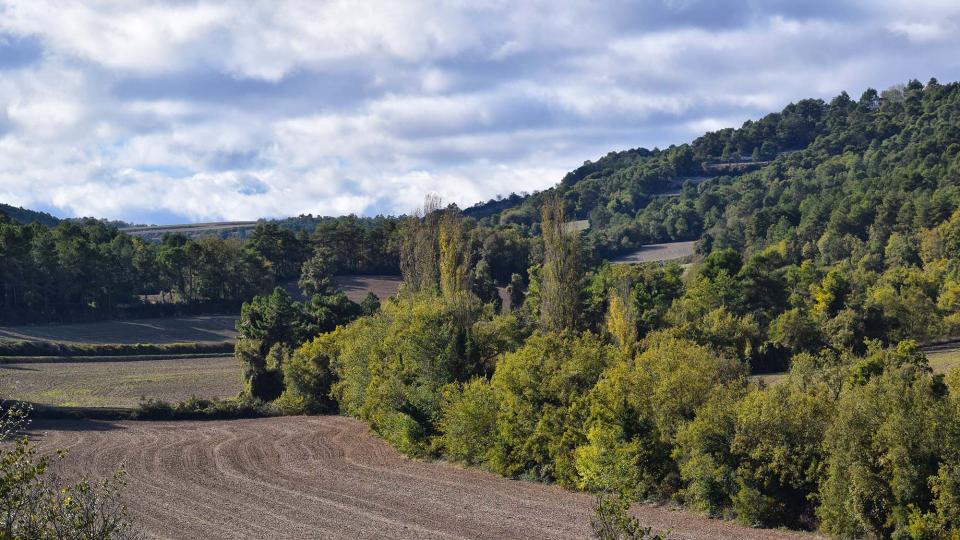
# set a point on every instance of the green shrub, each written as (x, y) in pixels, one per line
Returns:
(636, 411)
(885, 443)
(541, 387)
(702, 451)
(391, 367)
(262, 373)
(468, 420)
(35, 505)
(612, 521)
(779, 453)
(194, 408)
(14, 348)
(307, 378)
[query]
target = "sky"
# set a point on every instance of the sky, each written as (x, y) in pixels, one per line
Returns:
(232, 110)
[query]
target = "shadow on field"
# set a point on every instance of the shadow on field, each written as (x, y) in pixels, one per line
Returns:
(82, 418)
(13, 367)
(39, 425)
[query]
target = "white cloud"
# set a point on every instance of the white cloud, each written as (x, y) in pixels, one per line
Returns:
(215, 109)
(924, 31)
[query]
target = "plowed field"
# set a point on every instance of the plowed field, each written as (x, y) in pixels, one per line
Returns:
(325, 477)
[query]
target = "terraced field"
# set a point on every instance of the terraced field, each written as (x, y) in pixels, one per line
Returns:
(325, 477)
(200, 329)
(119, 384)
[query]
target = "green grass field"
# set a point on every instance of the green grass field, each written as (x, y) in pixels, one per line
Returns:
(119, 384)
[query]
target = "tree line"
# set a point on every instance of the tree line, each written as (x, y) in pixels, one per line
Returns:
(86, 269)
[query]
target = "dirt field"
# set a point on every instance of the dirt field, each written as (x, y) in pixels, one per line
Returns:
(357, 287)
(203, 328)
(658, 252)
(325, 477)
(120, 384)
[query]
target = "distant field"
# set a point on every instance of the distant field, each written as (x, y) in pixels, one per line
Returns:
(203, 329)
(658, 252)
(942, 358)
(357, 287)
(578, 225)
(191, 229)
(119, 384)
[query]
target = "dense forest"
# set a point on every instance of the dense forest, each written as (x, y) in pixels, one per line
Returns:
(832, 251)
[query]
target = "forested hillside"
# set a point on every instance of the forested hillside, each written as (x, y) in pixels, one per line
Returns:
(836, 217)
(22, 215)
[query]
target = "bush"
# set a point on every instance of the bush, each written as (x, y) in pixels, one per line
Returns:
(307, 378)
(778, 448)
(885, 444)
(636, 411)
(195, 408)
(612, 521)
(53, 348)
(468, 418)
(34, 505)
(262, 376)
(541, 386)
(391, 367)
(702, 451)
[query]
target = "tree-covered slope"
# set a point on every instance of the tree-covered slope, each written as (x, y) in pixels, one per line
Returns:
(26, 217)
(887, 161)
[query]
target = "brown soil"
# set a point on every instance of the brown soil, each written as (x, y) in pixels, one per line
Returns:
(658, 252)
(325, 477)
(356, 287)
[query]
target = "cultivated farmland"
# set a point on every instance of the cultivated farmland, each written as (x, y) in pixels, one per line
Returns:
(325, 477)
(200, 329)
(658, 252)
(194, 230)
(119, 384)
(356, 287)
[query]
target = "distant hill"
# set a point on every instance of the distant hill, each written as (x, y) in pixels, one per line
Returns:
(818, 173)
(22, 215)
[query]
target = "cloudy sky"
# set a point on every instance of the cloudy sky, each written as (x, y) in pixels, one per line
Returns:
(198, 111)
